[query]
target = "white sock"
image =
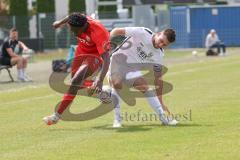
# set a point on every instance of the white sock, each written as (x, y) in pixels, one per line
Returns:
(57, 115)
(116, 102)
(155, 104)
(24, 73)
(20, 73)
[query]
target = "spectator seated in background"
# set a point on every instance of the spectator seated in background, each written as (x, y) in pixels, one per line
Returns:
(212, 41)
(11, 49)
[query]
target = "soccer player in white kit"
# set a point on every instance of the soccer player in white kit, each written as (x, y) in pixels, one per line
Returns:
(141, 48)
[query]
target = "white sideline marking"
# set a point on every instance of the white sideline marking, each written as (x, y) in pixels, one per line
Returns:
(23, 88)
(27, 99)
(200, 68)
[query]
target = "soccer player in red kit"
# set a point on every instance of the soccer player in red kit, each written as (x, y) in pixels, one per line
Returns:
(91, 56)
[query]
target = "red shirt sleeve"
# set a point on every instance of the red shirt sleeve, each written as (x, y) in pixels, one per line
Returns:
(102, 41)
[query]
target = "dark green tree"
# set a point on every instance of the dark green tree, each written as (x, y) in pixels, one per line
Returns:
(77, 6)
(19, 11)
(107, 11)
(46, 7)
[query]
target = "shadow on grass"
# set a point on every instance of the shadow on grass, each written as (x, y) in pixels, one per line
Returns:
(182, 125)
(6, 82)
(146, 127)
(131, 128)
(65, 129)
(125, 128)
(16, 82)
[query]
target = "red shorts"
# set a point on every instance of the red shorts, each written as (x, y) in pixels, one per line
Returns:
(92, 61)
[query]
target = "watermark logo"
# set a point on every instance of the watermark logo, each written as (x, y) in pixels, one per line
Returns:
(141, 116)
(118, 66)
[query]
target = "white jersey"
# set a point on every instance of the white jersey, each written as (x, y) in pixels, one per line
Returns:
(138, 47)
(210, 40)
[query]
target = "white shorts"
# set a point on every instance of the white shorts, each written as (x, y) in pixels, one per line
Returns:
(123, 71)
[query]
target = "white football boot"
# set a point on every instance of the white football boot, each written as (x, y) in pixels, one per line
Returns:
(52, 119)
(172, 122)
(117, 124)
(168, 121)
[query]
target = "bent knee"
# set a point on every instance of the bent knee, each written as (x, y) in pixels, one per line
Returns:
(25, 60)
(17, 60)
(20, 59)
(116, 84)
(141, 85)
(142, 88)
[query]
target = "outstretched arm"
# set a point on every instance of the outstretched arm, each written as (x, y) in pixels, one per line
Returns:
(97, 86)
(117, 32)
(207, 42)
(59, 23)
(106, 62)
(159, 87)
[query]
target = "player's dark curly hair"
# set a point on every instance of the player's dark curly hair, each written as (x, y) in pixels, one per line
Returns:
(170, 34)
(77, 19)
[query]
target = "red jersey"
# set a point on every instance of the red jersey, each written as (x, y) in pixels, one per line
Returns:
(95, 40)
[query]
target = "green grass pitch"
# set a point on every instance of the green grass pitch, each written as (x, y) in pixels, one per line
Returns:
(206, 90)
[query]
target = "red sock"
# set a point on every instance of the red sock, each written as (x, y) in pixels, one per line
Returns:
(67, 99)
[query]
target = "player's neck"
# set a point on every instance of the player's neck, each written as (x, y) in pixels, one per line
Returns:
(153, 41)
(85, 27)
(82, 30)
(12, 39)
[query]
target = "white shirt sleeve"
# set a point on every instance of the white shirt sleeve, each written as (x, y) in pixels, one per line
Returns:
(217, 39)
(207, 41)
(133, 31)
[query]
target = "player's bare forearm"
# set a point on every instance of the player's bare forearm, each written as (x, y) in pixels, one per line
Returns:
(11, 53)
(106, 62)
(97, 85)
(23, 46)
(159, 89)
(60, 22)
(117, 32)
